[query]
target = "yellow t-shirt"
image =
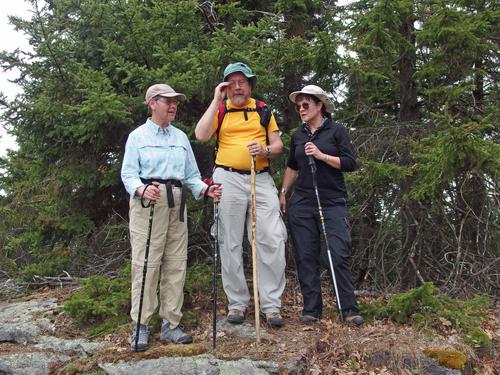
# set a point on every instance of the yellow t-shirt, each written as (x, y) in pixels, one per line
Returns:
(236, 133)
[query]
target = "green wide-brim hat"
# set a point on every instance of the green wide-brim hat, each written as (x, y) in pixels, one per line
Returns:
(239, 67)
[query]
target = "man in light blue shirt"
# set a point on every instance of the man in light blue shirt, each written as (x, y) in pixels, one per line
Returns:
(158, 162)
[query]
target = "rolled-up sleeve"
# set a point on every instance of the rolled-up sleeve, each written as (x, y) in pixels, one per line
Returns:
(346, 149)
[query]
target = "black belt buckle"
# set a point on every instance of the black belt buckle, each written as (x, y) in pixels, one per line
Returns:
(242, 171)
(170, 196)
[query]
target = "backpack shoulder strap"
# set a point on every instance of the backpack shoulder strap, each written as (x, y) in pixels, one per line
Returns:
(221, 114)
(260, 107)
(264, 113)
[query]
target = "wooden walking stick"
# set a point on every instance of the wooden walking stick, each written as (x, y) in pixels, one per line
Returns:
(254, 251)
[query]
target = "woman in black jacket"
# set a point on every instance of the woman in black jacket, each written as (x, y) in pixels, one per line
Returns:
(325, 144)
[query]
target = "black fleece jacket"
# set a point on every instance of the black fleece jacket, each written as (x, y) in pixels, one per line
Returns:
(333, 139)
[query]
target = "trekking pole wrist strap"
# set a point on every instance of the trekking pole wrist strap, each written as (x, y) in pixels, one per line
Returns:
(142, 197)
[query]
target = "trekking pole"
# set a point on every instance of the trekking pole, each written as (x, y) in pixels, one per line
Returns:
(254, 250)
(145, 268)
(214, 265)
(312, 164)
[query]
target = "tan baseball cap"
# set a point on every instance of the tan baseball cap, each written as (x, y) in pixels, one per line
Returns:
(162, 89)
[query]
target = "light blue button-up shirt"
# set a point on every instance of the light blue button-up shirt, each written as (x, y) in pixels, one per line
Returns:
(165, 153)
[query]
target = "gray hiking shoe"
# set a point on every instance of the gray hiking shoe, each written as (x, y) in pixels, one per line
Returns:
(174, 336)
(274, 319)
(236, 316)
(143, 339)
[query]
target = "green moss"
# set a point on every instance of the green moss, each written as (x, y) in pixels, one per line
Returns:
(448, 358)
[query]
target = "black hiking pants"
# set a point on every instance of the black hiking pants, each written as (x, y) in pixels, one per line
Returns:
(307, 235)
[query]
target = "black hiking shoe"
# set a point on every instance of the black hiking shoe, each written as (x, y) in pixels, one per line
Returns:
(308, 319)
(354, 319)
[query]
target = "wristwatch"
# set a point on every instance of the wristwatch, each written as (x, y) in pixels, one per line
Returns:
(268, 151)
(283, 190)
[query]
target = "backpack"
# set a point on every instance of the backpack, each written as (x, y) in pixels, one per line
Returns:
(260, 107)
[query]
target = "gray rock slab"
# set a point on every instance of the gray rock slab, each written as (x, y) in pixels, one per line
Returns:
(197, 365)
(412, 363)
(20, 312)
(430, 367)
(30, 363)
(24, 322)
(82, 347)
(244, 331)
(19, 325)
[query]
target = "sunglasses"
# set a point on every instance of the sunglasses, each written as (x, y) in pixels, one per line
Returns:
(298, 107)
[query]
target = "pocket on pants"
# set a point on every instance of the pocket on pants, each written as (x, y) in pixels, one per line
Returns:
(284, 232)
(347, 224)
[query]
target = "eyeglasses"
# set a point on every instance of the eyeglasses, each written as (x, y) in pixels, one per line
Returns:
(303, 105)
(167, 101)
(239, 83)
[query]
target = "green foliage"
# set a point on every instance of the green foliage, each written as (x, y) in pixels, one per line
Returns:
(91, 61)
(415, 302)
(100, 299)
(422, 308)
(478, 339)
(199, 277)
(456, 148)
(103, 304)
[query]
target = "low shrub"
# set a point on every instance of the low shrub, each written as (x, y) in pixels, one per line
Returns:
(424, 309)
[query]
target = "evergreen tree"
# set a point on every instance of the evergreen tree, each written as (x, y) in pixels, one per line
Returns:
(415, 81)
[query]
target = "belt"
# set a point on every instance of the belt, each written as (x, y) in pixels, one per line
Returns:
(241, 171)
(170, 196)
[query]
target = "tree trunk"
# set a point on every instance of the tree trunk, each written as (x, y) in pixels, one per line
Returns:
(408, 112)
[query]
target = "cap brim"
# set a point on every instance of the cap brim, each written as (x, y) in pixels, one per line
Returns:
(177, 95)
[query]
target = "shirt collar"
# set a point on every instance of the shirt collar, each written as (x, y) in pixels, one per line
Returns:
(308, 131)
(157, 129)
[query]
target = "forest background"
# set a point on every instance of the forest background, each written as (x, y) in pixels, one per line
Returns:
(415, 82)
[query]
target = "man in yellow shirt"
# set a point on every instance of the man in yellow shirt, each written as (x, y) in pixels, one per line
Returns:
(242, 133)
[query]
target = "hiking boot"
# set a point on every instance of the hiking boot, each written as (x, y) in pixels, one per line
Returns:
(308, 319)
(274, 319)
(175, 336)
(354, 319)
(235, 316)
(143, 339)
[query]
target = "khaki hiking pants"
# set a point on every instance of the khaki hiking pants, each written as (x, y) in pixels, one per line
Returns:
(235, 210)
(166, 262)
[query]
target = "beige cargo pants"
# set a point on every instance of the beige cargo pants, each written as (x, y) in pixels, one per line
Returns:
(166, 262)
